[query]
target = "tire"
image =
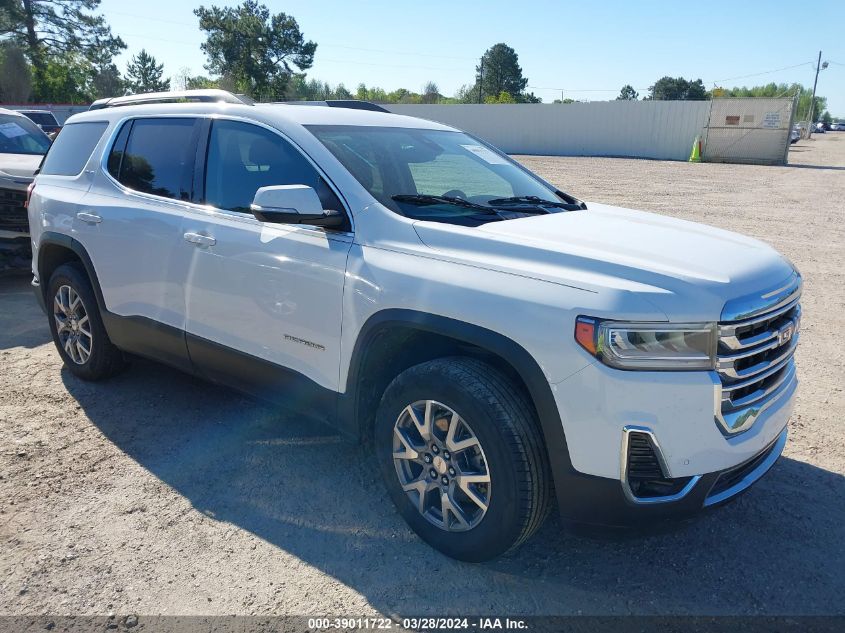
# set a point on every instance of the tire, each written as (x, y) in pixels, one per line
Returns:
(69, 286)
(508, 444)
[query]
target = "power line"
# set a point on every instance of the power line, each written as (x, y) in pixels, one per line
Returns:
(393, 52)
(318, 59)
(353, 48)
(765, 72)
(357, 63)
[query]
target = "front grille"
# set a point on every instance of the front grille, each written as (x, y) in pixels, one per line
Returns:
(755, 361)
(12, 210)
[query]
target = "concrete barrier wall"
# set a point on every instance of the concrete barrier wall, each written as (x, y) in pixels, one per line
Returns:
(639, 129)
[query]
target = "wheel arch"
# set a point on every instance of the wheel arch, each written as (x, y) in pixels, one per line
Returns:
(425, 336)
(55, 249)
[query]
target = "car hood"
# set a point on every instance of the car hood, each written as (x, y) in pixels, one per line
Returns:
(19, 167)
(688, 271)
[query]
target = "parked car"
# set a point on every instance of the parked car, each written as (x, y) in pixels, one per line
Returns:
(837, 127)
(494, 338)
(818, 128)
(795, 135)
(22, 146)
(44, 119)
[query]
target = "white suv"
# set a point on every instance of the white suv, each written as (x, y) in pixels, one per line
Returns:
(497, 340)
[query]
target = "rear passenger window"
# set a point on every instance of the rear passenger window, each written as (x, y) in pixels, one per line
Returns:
(158, 159)
(242, 158)
(72, 148)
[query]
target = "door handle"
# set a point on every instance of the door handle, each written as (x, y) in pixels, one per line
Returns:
(89, 218)
(198, 238)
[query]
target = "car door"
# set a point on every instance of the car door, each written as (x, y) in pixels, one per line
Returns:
(130, 224)
(263, 300)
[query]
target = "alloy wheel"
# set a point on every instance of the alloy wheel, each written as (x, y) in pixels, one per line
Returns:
(441, 465)
(73, 326)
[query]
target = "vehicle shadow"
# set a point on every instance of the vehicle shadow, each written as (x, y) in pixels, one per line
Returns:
(22, 324)
(830, 167)
(297, 485)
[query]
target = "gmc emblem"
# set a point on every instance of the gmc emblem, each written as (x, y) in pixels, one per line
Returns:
(786, 333)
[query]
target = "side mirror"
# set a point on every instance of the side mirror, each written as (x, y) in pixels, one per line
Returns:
(293, 204)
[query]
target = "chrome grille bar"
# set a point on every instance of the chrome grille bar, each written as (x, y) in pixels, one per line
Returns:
(728, 332)
(755, 364)
(726, 365)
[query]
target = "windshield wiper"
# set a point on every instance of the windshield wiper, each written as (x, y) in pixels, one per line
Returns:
(423, 199)
(531, 200)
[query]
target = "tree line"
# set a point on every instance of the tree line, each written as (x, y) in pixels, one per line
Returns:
(60, 51)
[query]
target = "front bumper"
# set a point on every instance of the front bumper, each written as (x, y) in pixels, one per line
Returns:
(602, 501)
(15, 251)
(674, 419)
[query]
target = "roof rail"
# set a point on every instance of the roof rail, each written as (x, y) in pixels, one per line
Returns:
(352, 104)
(177, 96)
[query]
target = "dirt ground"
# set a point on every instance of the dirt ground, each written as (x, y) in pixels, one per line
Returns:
(155, 493)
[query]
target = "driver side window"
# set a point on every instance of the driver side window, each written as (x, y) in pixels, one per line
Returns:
(242, 158)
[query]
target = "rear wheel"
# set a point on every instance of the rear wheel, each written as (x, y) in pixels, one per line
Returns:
(462, 457)
(77, 327)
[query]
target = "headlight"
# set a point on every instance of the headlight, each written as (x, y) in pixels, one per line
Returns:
(649, 346)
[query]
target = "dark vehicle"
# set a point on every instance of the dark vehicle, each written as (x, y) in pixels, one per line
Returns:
(43, 119)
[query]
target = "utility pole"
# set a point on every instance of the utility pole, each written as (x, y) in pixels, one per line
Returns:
(819, 68)
(480, 79)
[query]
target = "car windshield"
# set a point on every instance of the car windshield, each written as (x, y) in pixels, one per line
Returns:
(439, 175)
(19, 135)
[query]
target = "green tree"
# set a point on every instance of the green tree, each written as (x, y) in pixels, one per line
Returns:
(785, 90)
(49, 30)
(502, 97)
(430, 93)
(67, 79)
(15, 76)
(200, 82)
(498, 72)
(678, 89)
(628, 93)
(143, 74)
(255, 49)
(107, 82)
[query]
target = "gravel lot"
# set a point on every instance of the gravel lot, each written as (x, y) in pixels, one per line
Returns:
(158, 494)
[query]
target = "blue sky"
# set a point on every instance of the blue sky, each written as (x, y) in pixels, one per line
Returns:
(588, 51)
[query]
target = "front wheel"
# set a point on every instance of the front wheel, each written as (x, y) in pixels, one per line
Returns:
(463, 458)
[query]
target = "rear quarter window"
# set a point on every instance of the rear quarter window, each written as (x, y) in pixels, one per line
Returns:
(72, 148)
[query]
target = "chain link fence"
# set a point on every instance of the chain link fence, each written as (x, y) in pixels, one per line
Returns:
(749, 130)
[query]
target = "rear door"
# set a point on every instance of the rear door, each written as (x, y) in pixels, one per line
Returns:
(130, 223)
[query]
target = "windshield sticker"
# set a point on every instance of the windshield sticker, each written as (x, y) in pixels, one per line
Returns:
(485, 154)
(11, 130)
